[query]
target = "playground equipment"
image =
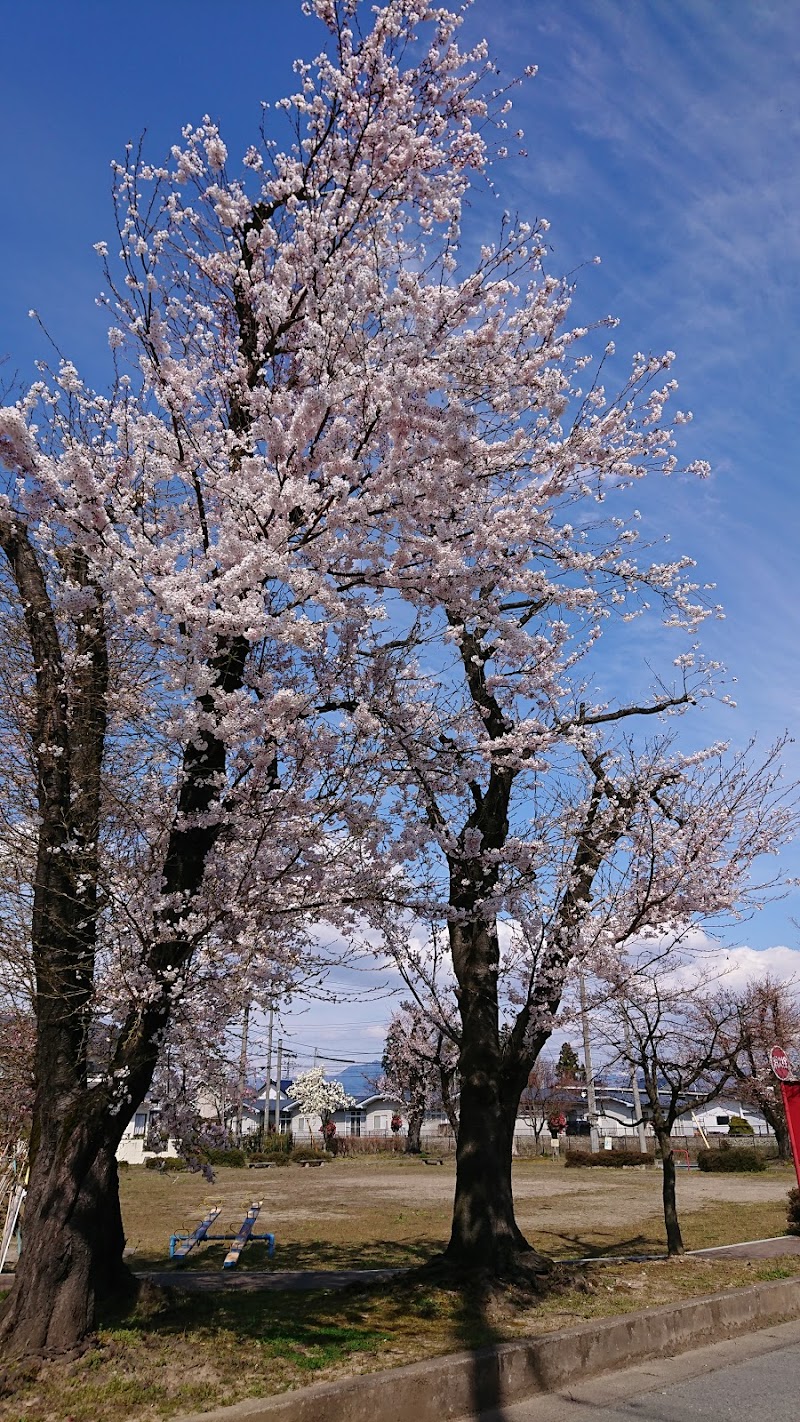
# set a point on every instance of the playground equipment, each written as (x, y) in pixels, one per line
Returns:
(15, 1202)
(13, 1178)
(699, 1128)
(182, 1244)
(180, 1251)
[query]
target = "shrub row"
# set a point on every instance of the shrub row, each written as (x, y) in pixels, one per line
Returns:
(214, 1156)
(369, 1145)
(302, 1153)
(224, 1155)
(613, 1158)
(735, 1158)
(265, 1144)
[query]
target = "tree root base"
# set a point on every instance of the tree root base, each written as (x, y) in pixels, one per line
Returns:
(525, 1270)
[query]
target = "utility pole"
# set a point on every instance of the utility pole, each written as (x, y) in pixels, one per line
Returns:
(268, 1103)
(591, 1099)
(637, 1100)
(242, 1082)
(278, 1087)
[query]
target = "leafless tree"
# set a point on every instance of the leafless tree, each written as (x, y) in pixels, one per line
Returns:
(679, 1038)
(764, 1014)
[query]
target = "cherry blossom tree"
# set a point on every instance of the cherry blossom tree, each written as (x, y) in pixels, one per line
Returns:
(309, 609)
(545, 837)
(178, 556)
(419, 1062)
(157, 808)
(666, 1024)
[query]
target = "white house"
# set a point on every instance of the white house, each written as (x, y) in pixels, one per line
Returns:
(132, 1146)
(370, 1116)
(616, 1115)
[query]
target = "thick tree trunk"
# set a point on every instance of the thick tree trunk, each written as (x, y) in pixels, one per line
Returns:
(414, 1136)
(775, 1116)
(73, 1243)
(782, 1139)
(674, 1237)
(485, 1235)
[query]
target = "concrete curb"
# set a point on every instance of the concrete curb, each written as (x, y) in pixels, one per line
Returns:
(462, 1384)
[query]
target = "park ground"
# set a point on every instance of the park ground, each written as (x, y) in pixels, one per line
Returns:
(193, 1351)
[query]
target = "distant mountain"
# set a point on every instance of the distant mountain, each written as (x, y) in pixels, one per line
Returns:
(358, 1081)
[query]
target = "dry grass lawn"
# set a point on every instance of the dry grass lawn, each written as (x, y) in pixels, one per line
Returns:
(371, 1212)
(187, 1352)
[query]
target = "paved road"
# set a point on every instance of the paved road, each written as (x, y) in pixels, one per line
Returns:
(781, 1245)
(743, 1380)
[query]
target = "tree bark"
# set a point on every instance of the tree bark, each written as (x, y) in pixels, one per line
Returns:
(668, 1195)
(416, 1115)
(73, 1240)
(775, 1116)
(485, 1235)
(72, 1227)
(782, 1139)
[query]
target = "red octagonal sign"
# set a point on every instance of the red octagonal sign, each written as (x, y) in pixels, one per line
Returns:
(780, 1063)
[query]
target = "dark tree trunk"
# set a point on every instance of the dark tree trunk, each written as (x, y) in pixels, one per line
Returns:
(782, 1138)
(485, 1235)
(668, 1194)
(775, 1116)
(73, 1242)
(416, 1116)
(73, 1235)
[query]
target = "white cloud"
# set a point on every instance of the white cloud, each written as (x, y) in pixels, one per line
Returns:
(736, 967)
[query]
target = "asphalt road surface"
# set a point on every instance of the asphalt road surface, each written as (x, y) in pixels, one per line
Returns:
(755, 1378)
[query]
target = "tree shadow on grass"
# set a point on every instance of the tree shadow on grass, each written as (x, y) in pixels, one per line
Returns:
(579, 1247)
(306, 1331)
(486, 1378)
(307, 1254)
(384, 1325)
(483, 1307)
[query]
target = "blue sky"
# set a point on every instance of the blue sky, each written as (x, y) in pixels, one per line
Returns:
(663, 136)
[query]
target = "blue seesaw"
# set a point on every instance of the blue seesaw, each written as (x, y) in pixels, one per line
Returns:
(182, 1244)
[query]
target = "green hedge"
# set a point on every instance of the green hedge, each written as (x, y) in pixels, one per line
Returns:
(225, 1155)
(615, 1159)
(273, 1144)
(735, 1158)
(738, 1126)
(165, 1162)
(301, 1153)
